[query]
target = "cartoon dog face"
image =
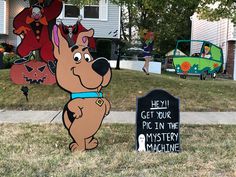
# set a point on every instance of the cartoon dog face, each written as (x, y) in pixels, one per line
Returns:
(76, 70)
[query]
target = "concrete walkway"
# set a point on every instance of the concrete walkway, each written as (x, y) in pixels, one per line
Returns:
(115, 117)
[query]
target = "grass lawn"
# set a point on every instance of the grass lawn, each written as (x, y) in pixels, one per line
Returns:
(195, 95)
(42, 150)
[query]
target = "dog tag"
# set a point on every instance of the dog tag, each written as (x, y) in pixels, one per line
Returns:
(99, 102)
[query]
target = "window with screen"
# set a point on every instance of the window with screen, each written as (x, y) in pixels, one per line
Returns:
(91, 11)
(72, 11)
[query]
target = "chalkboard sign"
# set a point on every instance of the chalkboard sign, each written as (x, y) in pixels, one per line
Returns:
(157, 122)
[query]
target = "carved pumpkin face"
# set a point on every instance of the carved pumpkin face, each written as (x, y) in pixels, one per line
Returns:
(32, 72)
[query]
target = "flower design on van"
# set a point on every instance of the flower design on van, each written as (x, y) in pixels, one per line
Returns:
(185, 66)
(215, 65)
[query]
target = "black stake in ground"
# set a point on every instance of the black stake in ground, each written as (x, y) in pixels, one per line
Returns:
(1, 60)
(121, 45)
(25, 91)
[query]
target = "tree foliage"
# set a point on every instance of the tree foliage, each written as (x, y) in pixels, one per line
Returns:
(170, 20)
(81, 3)
(217, 9)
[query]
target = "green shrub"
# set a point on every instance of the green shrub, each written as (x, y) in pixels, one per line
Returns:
(9, 59)
(104, 48)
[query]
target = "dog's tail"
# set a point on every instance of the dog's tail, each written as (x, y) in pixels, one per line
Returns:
(66, 119)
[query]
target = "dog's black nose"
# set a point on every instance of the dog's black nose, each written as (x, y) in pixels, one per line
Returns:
(101, 66)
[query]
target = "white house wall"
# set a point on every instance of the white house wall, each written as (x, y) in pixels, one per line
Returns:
(103, 28)
(7, 16)
(232, 32)
(155, 67)
(106, 29)
(13, 8)
(4, 15)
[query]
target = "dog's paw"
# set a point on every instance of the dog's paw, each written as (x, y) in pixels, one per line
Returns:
(91, 144)
(75, 147)
(78, 114)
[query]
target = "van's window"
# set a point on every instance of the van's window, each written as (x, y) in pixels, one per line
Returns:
(206, 51)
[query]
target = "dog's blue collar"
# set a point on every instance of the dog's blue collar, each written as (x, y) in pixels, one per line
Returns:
(86, 95)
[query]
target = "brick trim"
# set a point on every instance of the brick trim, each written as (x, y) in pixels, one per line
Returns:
(230, 58)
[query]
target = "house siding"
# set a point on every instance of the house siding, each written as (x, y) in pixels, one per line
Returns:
(232, 32)
(13, 8)
(4, 15)
(103, 28)
(7, 15)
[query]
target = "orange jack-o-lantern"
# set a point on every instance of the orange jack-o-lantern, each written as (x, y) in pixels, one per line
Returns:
(32, 72)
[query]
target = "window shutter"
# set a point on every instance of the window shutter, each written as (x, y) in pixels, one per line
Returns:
(103, 10)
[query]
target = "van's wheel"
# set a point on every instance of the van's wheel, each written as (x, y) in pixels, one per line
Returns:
(203, 75)
(183, 76)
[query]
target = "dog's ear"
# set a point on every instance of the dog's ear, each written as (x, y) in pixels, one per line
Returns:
(58, 41)
(83, 37)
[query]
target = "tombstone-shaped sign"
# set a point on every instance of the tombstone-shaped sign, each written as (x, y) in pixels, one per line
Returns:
(157, 122)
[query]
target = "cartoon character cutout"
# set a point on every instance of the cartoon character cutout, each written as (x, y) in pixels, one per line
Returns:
(141, 143)
(147, 45)
(32, 24)
(83, 77)
(206, 51)
(70, 33)
(32, 72)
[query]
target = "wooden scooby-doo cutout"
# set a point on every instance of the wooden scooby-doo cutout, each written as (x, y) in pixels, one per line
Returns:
(83, 77)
